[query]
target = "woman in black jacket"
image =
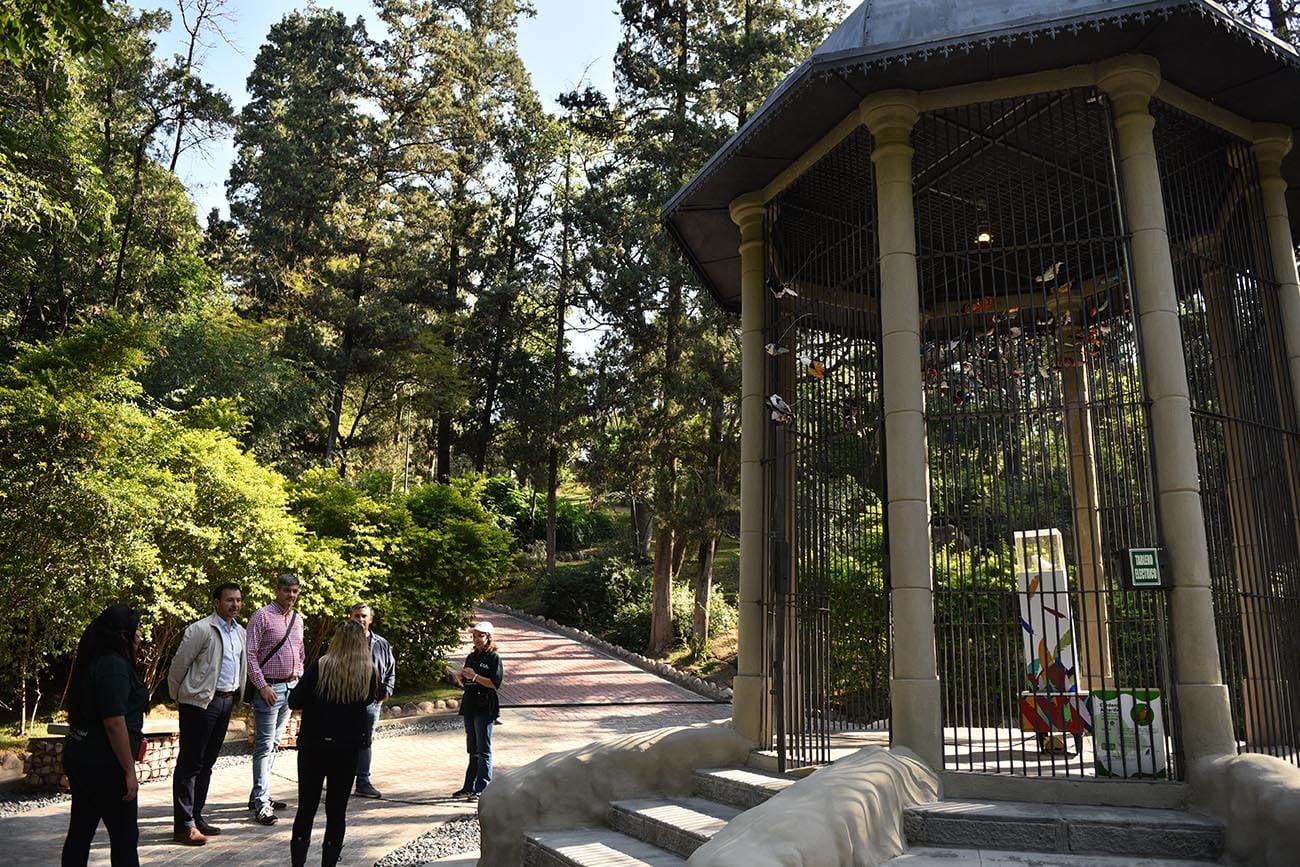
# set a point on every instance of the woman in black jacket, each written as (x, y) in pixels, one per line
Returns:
(333, 695)
(480, 707)
(106, 705)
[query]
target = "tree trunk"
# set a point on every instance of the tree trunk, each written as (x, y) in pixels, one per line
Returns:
(442, 469)
(680, 544)
(1280, 19)
(552, 482)
(558, 361)
(485, 425)
(703, 589)
(642, 529)
(661, 604)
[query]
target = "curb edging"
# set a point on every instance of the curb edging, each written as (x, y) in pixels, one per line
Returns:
(698, 685)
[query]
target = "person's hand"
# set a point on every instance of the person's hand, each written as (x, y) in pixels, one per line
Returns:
(268, 695)
(468, 674)
(132, 785)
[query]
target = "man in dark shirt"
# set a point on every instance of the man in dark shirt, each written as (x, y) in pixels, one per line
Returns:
(387, 669)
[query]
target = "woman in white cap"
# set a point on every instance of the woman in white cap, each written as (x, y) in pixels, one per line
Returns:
(480, 707)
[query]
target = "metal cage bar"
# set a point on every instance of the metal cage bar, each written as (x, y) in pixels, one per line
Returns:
(1243, 417)
(1040, 472)
(830, 612)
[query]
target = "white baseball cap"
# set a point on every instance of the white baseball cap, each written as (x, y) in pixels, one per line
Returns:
(482, 626)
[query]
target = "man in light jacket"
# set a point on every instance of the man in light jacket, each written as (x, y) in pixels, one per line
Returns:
(205, 678)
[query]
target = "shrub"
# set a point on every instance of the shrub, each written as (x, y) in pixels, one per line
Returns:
(631, 627)
(587, 595)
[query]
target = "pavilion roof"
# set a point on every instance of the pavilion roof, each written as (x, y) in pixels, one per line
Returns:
(929, 44)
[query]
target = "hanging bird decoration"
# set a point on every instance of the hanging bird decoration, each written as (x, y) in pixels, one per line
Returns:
(781, 411)
(1050, 274)
(775, 349)
(816, 369)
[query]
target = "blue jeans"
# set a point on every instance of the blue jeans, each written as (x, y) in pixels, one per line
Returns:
(363, 758)
(269, 725)
(478, 743)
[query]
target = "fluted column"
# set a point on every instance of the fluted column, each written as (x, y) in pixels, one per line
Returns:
(914, 684)
(750, 712)
(1203, 707)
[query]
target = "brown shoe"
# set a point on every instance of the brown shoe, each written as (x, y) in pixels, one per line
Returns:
(205, 829)
(190, 837)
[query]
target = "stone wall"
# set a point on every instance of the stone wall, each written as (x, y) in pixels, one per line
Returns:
(43, 761)
(1258, 800)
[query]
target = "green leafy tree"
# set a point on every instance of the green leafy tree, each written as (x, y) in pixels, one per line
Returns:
(35, 29)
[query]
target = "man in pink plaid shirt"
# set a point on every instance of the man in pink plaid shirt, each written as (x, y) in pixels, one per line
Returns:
(276, 657)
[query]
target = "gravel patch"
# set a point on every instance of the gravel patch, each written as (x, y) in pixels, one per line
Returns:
(450, 838)
(20, 802)
(395, 730)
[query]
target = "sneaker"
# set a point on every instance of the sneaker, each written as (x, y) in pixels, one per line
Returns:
(471, 797)
(275, 805)
(206, 829)
(190, 837)
(460, 794)
(265, 815)
(366, 790)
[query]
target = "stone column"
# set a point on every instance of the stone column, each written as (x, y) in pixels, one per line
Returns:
(914, 682)
(1203, 710)
(1265, 687)
(1272, 142)
(751, 709)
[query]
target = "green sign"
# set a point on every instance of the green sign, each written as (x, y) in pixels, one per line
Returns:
(1144, 567)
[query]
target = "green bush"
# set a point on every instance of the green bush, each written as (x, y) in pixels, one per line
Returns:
(631, 626)
(588, 595)
(578, 527)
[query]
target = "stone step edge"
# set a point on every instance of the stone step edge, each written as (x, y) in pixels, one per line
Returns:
(539, 850)
(709, 690)
(711, 784)
(1034, 828)
(629, 817)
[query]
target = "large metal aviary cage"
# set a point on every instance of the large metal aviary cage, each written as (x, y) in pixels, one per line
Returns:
(1040, 473)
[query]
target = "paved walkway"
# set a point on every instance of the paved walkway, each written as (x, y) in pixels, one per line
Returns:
(558, 694)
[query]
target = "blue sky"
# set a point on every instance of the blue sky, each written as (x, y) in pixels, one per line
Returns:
(565, 39)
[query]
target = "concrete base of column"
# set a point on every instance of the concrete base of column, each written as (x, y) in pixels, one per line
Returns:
(1205, 715)
(747, 717)
(916, 722)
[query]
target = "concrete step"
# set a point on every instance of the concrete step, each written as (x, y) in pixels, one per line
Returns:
(593, 847)
(1066, 829)
(680, 825)
(739, 787)
(927, 856)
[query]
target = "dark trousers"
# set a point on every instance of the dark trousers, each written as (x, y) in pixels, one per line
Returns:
(97, 790)
(203, 731)
(478, 743)
(318, 764)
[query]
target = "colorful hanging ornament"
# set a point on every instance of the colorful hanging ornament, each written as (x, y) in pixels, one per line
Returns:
(816, 369)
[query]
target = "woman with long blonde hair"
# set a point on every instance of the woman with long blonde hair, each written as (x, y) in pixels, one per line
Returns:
(333, 695)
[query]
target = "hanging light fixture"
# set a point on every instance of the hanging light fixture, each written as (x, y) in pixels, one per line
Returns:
(983, 232)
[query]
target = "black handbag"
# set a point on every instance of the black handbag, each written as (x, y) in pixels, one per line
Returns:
(249, 689)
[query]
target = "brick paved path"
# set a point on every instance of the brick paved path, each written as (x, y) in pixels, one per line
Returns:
(558, 694)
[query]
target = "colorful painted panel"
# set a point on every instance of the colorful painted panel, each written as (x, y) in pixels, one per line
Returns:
(1047, 629)
(1055, 713)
